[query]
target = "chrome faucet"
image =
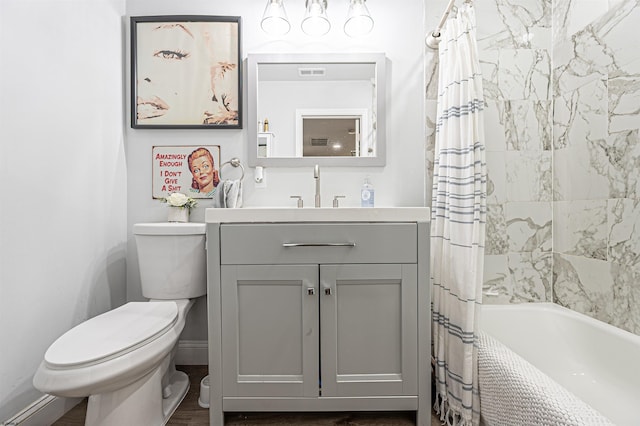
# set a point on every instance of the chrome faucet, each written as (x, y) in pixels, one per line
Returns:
(316, 176)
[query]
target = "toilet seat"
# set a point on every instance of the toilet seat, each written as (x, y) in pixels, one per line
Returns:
(112, 334)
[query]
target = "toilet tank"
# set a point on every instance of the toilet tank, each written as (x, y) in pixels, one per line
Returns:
(172, 259)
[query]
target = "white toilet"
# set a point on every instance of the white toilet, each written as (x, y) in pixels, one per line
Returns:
(123, 360)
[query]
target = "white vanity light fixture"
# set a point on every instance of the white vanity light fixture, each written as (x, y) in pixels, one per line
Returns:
(274, 20)
(315, 22)
(359, 21)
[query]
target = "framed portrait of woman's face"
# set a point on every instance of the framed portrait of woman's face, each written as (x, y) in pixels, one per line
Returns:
(186, 72)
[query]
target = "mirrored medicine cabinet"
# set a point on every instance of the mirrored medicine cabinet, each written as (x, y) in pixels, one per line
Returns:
(322, 108)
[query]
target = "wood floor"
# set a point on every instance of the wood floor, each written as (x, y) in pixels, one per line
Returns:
(189, 413)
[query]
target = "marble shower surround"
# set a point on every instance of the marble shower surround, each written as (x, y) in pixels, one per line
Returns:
(596, 163)
(562, 127)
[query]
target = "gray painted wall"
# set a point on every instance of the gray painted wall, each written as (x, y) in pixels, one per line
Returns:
(62, 164)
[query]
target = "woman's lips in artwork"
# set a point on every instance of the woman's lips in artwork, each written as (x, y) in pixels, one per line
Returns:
(151, 107)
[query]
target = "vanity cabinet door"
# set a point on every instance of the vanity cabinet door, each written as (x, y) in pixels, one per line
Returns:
(270, 330)
(368, 318)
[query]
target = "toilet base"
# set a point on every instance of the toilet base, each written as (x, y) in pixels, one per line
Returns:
(179, 388)
(140, 403)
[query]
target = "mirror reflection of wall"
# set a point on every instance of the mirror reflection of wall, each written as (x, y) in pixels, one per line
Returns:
(282, 92)
(329, 89)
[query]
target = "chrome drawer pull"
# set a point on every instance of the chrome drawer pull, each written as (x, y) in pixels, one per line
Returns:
(318, 244)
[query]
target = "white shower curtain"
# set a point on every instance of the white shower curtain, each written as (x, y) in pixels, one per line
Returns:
(458, 216)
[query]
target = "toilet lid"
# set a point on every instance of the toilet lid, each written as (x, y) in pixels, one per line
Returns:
(112, 334)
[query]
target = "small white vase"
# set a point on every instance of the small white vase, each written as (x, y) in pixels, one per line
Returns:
(178, 214)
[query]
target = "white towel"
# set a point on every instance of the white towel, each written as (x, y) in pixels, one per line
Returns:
(232, 190)
(228, 194)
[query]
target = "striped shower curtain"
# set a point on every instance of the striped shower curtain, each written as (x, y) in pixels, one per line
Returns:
(458, 216)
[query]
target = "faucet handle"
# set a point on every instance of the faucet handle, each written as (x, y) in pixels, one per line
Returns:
(300, 202)
(335, 200)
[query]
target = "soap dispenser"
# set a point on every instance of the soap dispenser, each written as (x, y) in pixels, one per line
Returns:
(367, 194)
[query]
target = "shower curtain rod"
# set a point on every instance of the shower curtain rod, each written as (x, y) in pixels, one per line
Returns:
(433, 38)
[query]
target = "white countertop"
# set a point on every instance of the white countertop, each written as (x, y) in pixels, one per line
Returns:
(323, 214)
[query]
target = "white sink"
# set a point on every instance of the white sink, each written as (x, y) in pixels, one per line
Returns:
(324, 214)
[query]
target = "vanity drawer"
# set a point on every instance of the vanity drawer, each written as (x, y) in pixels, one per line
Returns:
(294, 243)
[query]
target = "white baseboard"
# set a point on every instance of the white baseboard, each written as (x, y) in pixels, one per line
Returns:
(43, 411)
(192, 352)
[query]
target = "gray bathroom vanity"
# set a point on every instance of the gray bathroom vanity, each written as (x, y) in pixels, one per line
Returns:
(318, 310)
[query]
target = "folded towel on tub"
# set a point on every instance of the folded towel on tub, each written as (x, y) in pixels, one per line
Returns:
(514, 392)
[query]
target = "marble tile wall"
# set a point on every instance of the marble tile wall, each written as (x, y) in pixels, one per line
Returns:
(596, 165)
(562, 127)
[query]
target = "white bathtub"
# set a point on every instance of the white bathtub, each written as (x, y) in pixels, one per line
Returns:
(597, 362)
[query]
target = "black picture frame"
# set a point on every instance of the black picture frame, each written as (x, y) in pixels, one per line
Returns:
(186, 72)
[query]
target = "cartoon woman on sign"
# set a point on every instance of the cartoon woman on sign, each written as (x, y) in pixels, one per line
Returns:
(185, 74)
(205, 176)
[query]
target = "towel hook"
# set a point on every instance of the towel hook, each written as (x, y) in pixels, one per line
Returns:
(235, 162)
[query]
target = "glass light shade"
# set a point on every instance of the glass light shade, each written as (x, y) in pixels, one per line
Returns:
(359, 21)
(315, 22)
(274, 20)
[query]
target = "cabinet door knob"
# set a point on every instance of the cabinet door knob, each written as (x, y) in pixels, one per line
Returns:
(327, 291)
(311, 291)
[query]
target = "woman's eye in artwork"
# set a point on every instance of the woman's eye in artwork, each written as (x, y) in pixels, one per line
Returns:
(176, 55)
